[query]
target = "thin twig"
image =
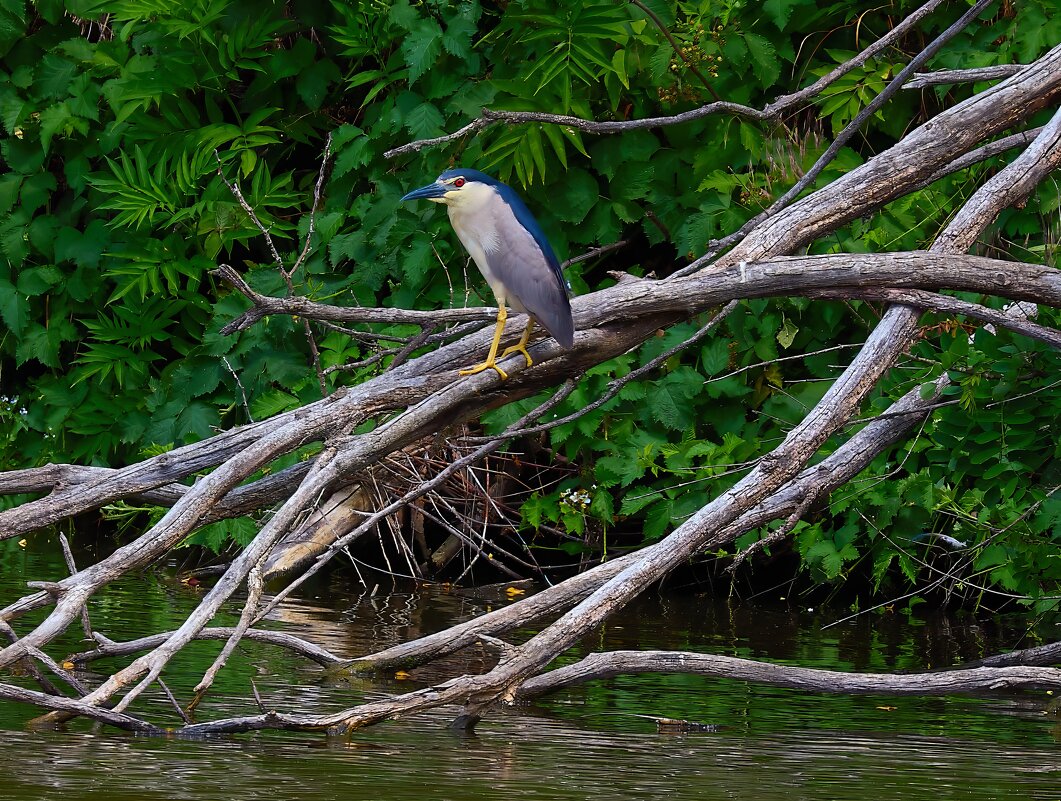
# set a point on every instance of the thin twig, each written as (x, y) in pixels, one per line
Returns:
(71, 565)
(316, 354)
(947, 77)
(255, 585)
(238, 194)
(257, 696)
(313, 207)
(172, 699)
(108, 648)
(774, 536)
(592, 253)
(242, 391)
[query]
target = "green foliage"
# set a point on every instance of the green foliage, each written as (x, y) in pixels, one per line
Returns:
(122, 121)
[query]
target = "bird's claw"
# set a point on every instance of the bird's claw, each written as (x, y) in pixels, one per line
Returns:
(485, 366)
(517, 349)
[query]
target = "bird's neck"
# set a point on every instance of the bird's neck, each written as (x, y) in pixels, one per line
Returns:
(474, 220)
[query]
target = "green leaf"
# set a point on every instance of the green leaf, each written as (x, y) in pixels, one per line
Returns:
(421, 47)
(82, 248)
(353, 155)
(621, 470)
(54, 119)
(670, 403)
(54, 75)
(787, 335)
(196, 421)
(43, 343)
(637, 500)
(658, 519)
(532, 512)
(37, 191)
(824, 554)
(313, 82)
(402, 14)
(764, 59)
(38, 280)
(780, 11)
(273, 403)
(14, 308)
(579, 196)
(715, 356)
(457, 40)
(216, 536)
(424, 121)
(631, 181)
(9, 186)
(14, 235)
(602, 507)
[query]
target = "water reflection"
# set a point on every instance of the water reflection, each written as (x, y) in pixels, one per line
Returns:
(591, 741)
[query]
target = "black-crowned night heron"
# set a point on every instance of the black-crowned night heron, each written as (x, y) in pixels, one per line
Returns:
(511, 251)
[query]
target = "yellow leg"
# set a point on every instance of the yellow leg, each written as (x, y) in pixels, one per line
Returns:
(521, 346)
(491, 359)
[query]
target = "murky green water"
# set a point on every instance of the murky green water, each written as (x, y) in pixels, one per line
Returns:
(582, 743)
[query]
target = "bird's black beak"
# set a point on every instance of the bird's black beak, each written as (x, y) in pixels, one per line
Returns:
(431, 192)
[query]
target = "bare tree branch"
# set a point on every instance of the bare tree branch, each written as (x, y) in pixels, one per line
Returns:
(947, 682)
(944, 77)
(945, 303)
(109, 648)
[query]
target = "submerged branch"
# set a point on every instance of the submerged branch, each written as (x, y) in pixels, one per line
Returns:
(109, 648)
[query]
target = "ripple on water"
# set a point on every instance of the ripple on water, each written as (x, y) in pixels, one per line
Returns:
(590, 741)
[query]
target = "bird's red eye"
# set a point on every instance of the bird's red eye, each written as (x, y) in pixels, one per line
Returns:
(459, 183)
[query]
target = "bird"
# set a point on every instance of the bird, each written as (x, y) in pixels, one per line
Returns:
(511, 251)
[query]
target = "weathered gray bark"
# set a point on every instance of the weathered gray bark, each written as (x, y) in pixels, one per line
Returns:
(336, 516)
(951, 682)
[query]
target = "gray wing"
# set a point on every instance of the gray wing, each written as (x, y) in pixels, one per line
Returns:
(530, 281)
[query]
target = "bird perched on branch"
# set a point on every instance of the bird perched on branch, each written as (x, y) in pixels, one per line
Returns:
(511, 251)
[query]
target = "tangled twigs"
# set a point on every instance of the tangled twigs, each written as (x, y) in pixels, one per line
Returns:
(420, 490)
(264, 305)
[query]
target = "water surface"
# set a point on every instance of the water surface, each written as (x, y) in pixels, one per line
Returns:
(592, 741)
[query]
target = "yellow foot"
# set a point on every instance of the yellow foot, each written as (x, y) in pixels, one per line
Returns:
(485, 366)
(517, 349)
